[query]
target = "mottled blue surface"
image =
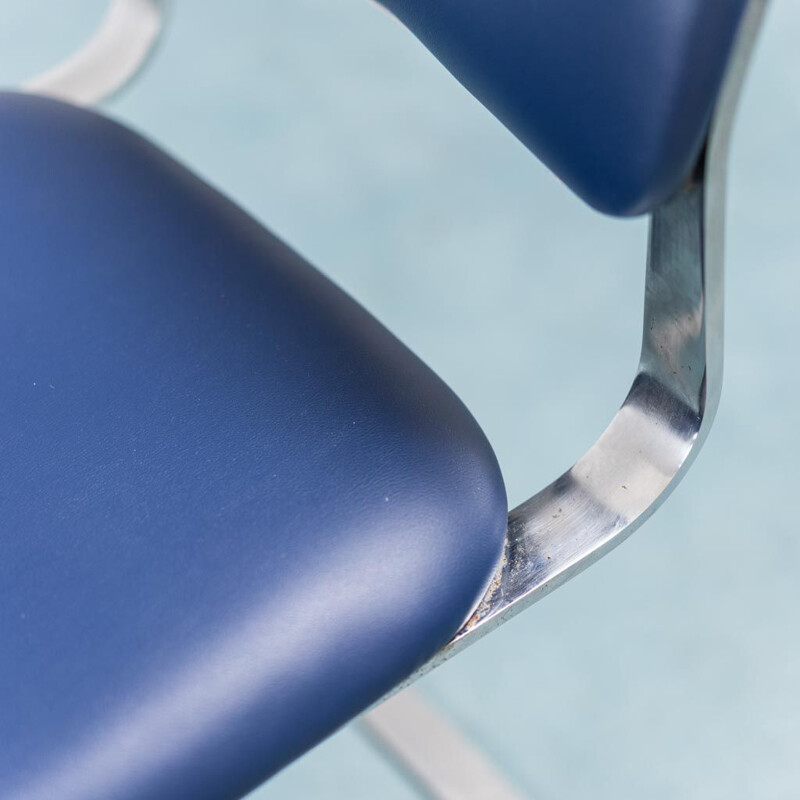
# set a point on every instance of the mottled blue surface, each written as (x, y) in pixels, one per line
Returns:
(670, 668)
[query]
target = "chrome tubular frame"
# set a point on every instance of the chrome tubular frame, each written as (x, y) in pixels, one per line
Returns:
(110, 59)
(655, 436)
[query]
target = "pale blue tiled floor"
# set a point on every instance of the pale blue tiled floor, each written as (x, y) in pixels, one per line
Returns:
(669, 670)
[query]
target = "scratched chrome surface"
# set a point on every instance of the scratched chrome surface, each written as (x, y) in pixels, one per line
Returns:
(661, 426)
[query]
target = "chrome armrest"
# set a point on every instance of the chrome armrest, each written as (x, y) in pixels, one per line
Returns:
(666, 416)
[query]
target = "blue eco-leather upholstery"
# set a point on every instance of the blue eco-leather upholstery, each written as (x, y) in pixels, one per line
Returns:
(614, 96)
(235, 509)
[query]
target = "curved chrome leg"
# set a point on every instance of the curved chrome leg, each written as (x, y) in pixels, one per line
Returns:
(431, 751)
(110, 59)
(666, 416)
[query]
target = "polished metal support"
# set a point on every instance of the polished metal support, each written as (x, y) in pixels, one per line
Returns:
(645, 451)
(655, 436)
(110, 59)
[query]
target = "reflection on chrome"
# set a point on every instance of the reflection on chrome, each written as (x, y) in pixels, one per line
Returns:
(653, 439)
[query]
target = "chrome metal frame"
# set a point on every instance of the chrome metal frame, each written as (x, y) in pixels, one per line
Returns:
(655, 436)
(110, 59)
(434, 753)
(625, 475)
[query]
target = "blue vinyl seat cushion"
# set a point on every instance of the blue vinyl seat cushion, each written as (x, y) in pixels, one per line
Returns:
(235, 509)
(615, 96)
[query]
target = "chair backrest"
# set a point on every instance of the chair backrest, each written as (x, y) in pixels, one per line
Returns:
(614, 96)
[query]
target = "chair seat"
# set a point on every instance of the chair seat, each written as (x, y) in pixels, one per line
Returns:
(235, 509)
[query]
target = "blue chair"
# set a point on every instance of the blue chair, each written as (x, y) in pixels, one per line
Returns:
(237, 512)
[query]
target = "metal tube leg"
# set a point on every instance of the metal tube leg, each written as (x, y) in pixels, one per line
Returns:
(427, 747)
(109, 60)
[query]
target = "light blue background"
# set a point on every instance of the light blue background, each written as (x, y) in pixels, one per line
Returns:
(671, 669)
